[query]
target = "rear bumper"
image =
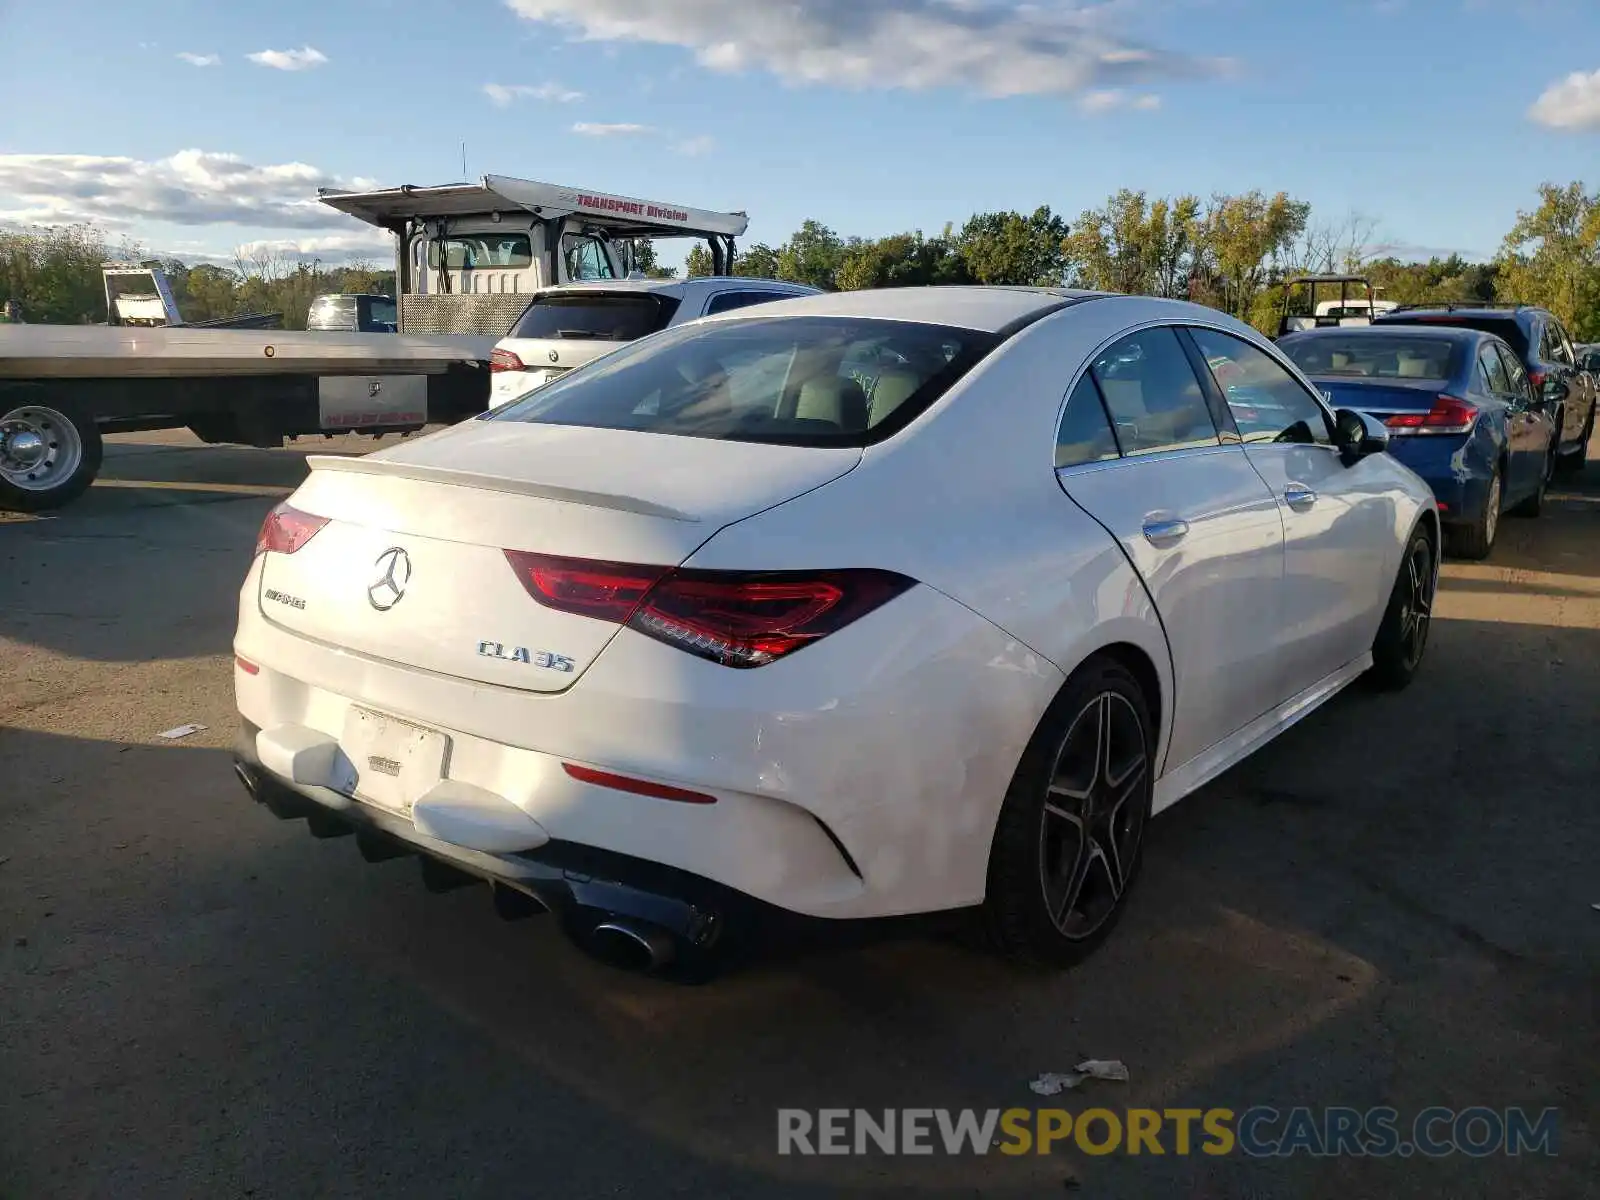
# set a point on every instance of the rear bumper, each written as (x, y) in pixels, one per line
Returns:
(582, 885)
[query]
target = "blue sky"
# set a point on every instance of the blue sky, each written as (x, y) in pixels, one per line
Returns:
(1436, 118)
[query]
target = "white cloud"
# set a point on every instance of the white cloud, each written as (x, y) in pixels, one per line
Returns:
(977, 45)
(192, 187)
(503, 94)
(302, 59)
(620, 129)
(375, 246)
(1573, 103)
(696, 146)
(200, 60)
(1109, 99)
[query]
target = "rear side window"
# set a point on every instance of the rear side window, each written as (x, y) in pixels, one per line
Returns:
(1494, 370)
(1085, 435)
(1152, 394)
(801, 381)
(1515, 372)
(595, 316)
(1561, 345)
(1267, 402)
(728, 301)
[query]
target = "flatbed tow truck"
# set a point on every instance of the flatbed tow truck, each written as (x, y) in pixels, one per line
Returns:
(468, 259)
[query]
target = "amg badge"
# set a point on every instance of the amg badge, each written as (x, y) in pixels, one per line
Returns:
(284, 598)
(521, 654)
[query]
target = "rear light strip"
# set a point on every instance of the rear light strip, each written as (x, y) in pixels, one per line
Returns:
(735, 618)
(286, 529)
(638, 787)
(1449, 414)
(505, 360)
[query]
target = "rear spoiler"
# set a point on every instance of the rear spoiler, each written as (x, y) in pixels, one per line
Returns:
(494, 483)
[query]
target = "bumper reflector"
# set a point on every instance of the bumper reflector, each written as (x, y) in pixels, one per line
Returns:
(639, 787)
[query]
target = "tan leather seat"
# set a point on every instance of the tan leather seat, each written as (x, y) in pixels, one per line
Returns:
(892, 390)
(832, 399)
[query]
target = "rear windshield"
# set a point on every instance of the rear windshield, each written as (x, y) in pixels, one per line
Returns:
(482, 251)
(802, 381)
(613, 318)
(1505, 327)
(1375, 356)
(332, 312)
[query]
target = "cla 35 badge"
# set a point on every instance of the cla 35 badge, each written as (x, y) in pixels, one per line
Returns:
(521, 654)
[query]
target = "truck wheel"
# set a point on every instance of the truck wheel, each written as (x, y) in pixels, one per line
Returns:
(50, 452)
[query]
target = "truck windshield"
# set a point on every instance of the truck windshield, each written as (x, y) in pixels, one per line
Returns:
(332, 312)
(618, 317)
(800, 381)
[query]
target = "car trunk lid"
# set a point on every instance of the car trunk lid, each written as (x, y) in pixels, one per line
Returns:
(411, 565)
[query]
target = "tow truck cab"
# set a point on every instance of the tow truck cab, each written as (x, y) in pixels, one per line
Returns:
(468, 257)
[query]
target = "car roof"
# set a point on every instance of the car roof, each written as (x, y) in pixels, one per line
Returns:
(986, 309)
(680, 287)
(1443, 333)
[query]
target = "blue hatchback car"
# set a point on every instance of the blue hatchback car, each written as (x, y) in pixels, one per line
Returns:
(1460, 413)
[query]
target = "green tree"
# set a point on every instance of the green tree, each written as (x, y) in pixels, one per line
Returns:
(901, 260)
(645, 262)
(812, 255)
(1134, 245)
(1007, 247)
(758, 262)
(698, 264)
(1241, 240)
(1551, 257)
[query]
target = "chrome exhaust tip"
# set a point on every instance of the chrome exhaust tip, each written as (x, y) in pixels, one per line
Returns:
(630, 945)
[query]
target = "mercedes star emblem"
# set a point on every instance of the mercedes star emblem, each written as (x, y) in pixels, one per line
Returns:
(394, 573)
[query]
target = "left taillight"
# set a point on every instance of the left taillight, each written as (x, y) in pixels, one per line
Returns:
(505, 360)
(735, 618)
(1449, 414)
(286, 529)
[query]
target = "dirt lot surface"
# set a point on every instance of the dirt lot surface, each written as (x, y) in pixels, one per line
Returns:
(1391, 905)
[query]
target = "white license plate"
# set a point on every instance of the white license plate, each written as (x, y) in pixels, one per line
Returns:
(395, 761)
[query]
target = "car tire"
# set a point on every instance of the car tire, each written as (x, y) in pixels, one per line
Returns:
(1070, 838)
(1533, 506)
(62, 456)
(1476, 541)
(1402, 639)
(1572, 461)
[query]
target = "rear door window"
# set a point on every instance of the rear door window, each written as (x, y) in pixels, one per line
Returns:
(1267, 402)
(1085, 435)
(1152, 394)
(595, 316)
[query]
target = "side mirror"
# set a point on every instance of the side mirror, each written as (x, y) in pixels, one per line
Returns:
(1358, 435)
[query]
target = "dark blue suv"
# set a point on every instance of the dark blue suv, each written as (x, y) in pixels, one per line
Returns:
(1547, 353)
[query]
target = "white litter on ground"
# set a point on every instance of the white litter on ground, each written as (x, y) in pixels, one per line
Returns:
(182, 731)
(1052, 1083)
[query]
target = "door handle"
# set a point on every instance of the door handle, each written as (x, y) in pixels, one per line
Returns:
(1164, 531)
(1299, 496)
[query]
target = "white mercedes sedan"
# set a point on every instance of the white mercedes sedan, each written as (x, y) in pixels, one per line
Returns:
(841, 607)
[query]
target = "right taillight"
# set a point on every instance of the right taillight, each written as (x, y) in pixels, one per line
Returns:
(738, 619)
(286, 529)
(505, 360)
(1449, 414)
